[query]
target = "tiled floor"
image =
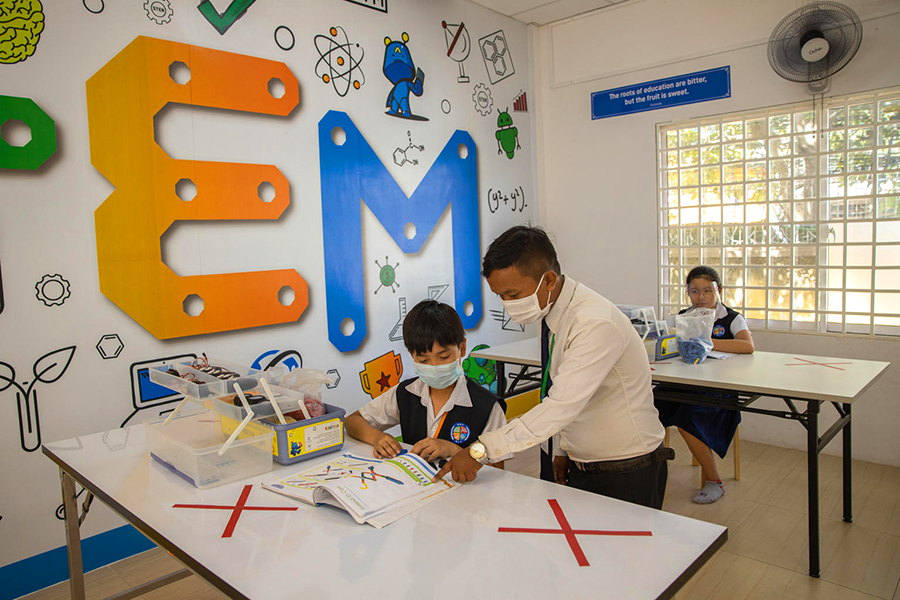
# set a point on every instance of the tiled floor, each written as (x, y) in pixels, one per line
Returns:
(766, 554)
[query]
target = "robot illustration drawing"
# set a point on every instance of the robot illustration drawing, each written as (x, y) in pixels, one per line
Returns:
(507, 135)
(400, 71)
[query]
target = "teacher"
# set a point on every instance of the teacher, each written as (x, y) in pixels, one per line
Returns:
(596, 417)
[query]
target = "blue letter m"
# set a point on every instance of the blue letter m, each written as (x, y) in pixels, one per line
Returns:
(350, 172)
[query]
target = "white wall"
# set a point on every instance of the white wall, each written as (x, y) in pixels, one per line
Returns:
(597, 179)
(47, 216)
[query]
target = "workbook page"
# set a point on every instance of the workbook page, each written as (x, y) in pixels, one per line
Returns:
(364, 486)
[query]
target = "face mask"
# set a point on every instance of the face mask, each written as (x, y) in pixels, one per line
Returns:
(439, 376)
(527, 310)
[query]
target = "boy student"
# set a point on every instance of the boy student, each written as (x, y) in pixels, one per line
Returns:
(708, 428)
(441, 411)
(597, 401)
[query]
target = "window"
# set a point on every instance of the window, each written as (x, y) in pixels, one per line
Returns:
(797, 207)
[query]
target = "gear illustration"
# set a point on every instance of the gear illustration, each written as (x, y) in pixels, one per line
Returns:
(52, 290)
(159, 11)
(482, 99)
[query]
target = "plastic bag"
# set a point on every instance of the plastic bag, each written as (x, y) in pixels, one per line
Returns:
(308, 382)
(693, 330)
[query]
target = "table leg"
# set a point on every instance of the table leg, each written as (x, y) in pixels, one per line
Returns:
(812, 456)
(73, 536)
(848, 480)
(501, 380)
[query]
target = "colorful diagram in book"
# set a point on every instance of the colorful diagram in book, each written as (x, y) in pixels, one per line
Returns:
(364, 486)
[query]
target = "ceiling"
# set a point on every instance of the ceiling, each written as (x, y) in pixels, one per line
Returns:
(541, 12)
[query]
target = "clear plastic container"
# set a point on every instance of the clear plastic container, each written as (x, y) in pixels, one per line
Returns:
(189, 446)
(202, 385)
(288, 401)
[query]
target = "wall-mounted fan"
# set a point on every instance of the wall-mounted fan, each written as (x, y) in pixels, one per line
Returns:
(815, 42)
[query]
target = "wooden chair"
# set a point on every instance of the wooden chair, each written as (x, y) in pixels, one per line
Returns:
(737, 456)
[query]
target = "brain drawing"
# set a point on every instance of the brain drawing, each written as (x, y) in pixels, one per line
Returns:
(21, 24)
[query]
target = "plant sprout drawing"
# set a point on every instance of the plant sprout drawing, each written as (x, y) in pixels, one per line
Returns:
(47, 369)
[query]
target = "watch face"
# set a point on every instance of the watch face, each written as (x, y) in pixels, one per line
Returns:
(477, 450)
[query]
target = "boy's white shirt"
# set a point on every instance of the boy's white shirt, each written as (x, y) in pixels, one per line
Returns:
(384, 412)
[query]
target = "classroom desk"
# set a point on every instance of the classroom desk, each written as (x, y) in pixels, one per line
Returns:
(792, 377)
(451, 548)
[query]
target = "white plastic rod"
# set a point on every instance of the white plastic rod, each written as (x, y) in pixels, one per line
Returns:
(271, 397)
(175, 412)
(243, 423)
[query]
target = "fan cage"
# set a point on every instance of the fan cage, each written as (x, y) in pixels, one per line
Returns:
(837, 23)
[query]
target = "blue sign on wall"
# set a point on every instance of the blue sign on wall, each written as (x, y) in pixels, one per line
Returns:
(701, 86)
(350, 172)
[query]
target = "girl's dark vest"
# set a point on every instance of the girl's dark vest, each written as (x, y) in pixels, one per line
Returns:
(721, 326)
(463, 424)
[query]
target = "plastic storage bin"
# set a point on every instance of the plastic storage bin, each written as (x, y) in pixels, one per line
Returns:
(288, 401)
(189, 446)
(304, 439)
(203, 385)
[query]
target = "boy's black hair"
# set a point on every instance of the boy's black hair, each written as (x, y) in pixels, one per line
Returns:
(431, 321)
(706, 272)
(528, 249)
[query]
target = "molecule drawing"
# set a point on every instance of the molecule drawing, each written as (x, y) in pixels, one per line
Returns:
(110, 346)
(400, 154)
(497, 59)
(339, 61)
(387, 276)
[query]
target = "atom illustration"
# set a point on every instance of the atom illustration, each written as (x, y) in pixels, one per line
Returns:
(387, 277)
(339, 61)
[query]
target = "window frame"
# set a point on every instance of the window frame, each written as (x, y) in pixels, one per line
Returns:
(779, 197)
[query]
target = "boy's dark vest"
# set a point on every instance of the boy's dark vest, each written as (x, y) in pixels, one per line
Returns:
(722, 327)
(463, 424)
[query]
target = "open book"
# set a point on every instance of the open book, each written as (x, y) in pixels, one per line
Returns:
(372, 490)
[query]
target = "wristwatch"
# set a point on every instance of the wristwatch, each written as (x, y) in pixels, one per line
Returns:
(478, 452)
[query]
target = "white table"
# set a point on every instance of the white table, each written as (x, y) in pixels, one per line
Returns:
(451, 548)
(792, 377)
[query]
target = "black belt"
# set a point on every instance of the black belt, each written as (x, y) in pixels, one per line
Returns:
(629, 464)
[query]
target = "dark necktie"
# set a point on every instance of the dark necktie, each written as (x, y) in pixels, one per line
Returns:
(546, 458)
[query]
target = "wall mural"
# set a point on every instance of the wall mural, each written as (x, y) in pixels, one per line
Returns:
(507, 135)
(497, 58)
(222, 22)
(401, 155)
(40, 131)
(217, 188)
(47, 369)
(482, 99)
(21, 24)
(407, 79)
(452, 178)
(110, 346)
(458, 46)
(158, 11)
(340, 62)
(381, 374)
(53, 290)
(144, 205)
(380, 5)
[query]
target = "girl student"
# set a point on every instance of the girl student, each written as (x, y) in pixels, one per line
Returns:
(706, 428)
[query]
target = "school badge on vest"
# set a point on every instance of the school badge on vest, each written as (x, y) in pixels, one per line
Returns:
(718, 331)
(459, 433)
